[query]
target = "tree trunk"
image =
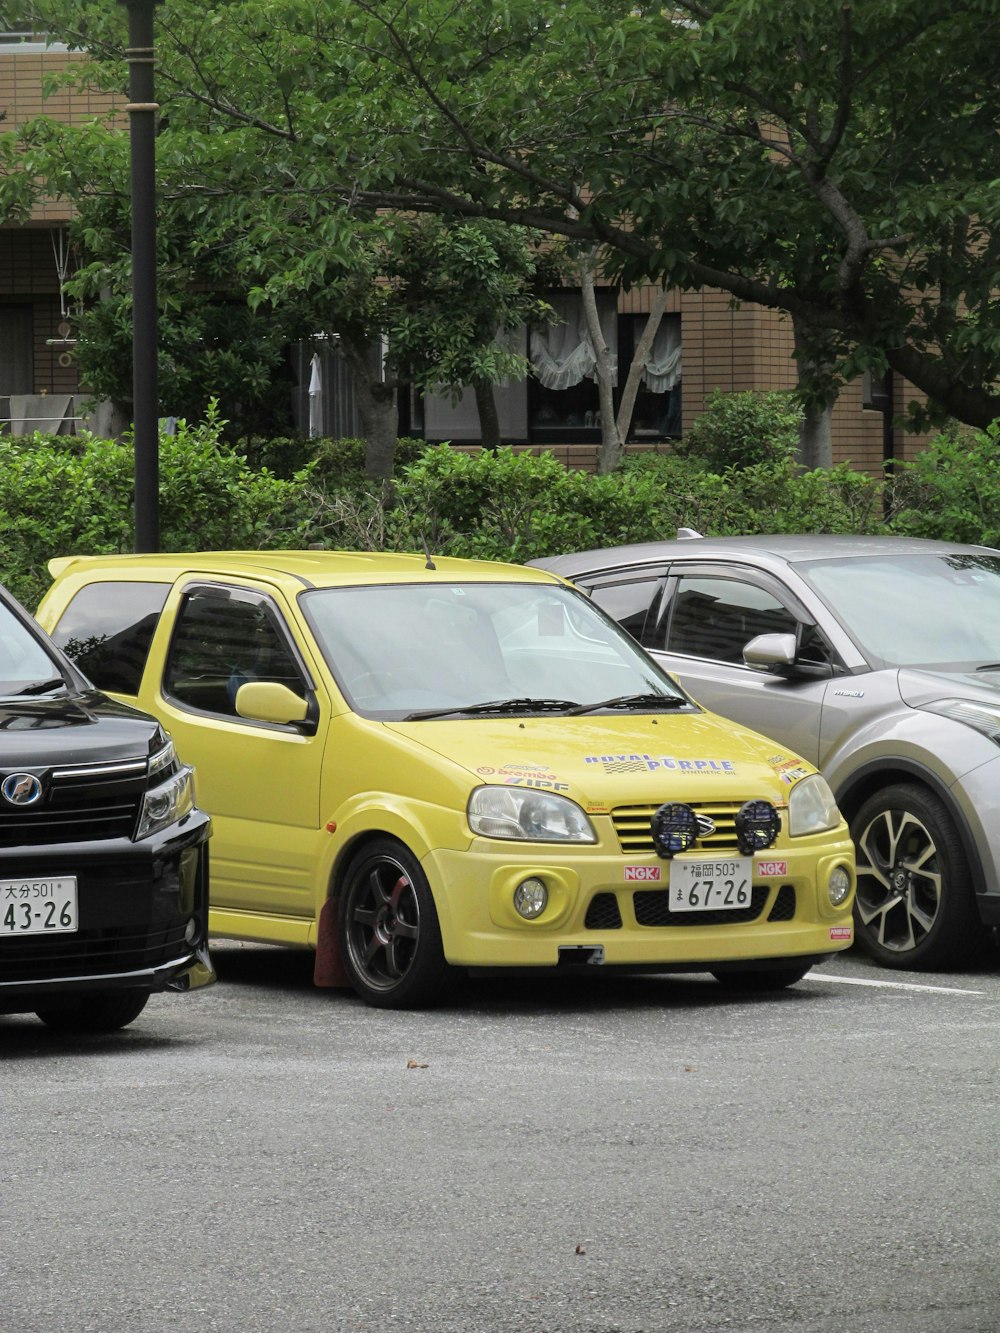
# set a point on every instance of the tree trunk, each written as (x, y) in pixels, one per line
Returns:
(815, 436)
(489, 418)
(612, 445)
(377, 405)
(629, 394)
(110, 419)
(813, 359)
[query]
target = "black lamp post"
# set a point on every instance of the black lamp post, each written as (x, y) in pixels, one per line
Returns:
(142, 111)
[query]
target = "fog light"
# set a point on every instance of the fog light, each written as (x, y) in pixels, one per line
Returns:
(530, 898)
(757, 826)
(191, 930)
(674, 828)
(839, 886)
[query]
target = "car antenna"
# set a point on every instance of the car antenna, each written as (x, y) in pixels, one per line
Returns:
(430, 563)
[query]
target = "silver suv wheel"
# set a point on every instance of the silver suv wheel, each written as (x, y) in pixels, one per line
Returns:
(914, 904)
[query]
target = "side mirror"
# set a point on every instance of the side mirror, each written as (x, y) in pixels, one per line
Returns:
(778, 653)
(770, 650)
(267, 701)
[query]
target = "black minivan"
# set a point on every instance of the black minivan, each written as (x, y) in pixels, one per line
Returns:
(103, 853)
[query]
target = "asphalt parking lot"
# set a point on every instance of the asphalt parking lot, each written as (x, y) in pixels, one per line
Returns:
(632, 1153)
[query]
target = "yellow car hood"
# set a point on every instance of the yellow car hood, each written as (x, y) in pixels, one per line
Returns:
(604, 761)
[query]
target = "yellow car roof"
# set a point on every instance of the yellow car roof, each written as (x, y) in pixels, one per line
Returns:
(311, 568)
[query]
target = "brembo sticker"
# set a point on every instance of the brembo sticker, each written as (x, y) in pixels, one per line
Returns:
(518, 770)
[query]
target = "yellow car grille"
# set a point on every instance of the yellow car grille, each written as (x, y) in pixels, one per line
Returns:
(636, 839)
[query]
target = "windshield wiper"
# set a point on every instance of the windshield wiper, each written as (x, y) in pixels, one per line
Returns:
(639, 701)
(42, 686)
(497, 706)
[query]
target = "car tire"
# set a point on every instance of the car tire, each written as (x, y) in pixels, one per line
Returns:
(390, 936)
(766, 979)
(106, 1011)
(914, 906)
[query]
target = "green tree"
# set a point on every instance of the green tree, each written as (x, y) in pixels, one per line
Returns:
(837, 162)
(460, 289)
(238, 281)
(439, 297)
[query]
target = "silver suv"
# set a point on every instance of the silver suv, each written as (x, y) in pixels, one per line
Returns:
(878, 658)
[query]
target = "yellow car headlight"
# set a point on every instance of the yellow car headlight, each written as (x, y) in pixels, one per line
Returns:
(811, 807)
(532, 816)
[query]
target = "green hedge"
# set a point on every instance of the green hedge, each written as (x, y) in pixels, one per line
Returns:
(75, 495)
(58, 498)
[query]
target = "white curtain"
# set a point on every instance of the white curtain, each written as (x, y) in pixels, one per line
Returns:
(315, 397)
(562, 353)
(663, 365)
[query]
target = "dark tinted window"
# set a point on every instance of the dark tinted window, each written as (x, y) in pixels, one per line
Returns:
(107, 629)
(628, 603)
(224, 638)
(717, 618)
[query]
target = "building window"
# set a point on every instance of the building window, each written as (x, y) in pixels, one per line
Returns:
(559, 402)
(657, 411)
(563, 400)
(563, 395)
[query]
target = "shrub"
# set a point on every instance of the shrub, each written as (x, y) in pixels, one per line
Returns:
(951, 490)
(333, 463)
(743, 429)
(56, 500)
(64, 495)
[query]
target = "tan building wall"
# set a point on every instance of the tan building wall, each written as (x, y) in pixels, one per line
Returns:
(23, 70)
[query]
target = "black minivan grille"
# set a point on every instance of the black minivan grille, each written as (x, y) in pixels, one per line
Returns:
(88, 803)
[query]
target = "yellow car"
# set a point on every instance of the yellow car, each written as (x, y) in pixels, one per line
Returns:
(415, 765)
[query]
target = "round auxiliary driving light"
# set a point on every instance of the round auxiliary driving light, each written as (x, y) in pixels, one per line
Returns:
(757, 826)
(530, 898)
(191, 930)
(674, 828)
(839, 885)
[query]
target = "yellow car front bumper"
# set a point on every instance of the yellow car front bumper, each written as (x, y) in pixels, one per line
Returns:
(626, 921)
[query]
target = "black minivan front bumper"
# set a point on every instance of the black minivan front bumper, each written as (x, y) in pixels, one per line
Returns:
(143, 919)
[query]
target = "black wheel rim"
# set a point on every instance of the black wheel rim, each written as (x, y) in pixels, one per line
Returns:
(899, 881)
(383, 923)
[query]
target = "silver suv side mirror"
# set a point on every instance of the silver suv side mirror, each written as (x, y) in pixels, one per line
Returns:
(770, 650)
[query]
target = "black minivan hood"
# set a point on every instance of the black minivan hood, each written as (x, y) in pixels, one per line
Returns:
(72, 729)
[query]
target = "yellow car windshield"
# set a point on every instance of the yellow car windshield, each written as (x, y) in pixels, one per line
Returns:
(404, 649)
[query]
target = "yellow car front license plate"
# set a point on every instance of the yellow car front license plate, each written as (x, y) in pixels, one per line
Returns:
(699, 885)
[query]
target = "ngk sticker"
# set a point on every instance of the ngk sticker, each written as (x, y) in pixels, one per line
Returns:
(650, 874)
(766, 868)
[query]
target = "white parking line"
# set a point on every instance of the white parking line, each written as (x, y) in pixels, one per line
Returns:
(893, 985)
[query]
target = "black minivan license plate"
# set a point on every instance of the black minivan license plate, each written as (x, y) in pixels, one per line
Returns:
(38, 906)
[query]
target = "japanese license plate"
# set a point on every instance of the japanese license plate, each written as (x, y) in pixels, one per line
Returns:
(38, 906)
(700, 885)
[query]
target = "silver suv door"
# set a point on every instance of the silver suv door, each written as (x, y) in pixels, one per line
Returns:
(707, 616)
